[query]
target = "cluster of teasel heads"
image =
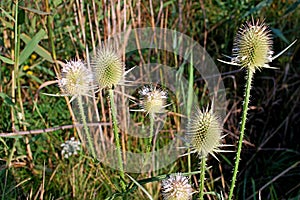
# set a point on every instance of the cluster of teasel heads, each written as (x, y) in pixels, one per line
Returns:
(252, 50)
(107, 70)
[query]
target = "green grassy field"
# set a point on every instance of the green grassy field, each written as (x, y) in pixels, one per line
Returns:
(38, 37)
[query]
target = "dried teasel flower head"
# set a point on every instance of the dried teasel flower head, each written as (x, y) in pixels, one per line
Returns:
(177, 187)
(153, 99)
(76, 80)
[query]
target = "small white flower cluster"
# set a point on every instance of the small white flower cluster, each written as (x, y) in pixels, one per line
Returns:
(70, 147)
(177, 187)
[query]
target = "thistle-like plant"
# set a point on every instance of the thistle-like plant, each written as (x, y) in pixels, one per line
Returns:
(152, 101)
(107, 65)
(204, 133)
(252, 50)
(177, 187)
(77, 81)
(109, 71)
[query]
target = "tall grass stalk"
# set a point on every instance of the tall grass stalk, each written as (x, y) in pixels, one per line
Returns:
(189, 106)
(15, 71)
(117, 138)
(51, 35)
(243, 123)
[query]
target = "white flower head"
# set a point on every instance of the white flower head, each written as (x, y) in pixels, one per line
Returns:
(177, 187)
(70, 147)
(76, 80)
(153, 100)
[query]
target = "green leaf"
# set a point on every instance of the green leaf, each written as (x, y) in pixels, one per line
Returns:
(258, 7)
(279, 34)
(141, 187)
(6, 99)
(57, 2)
(35, 11)
(6, 60)
(7, 14)
(39, 50)
(292, 7)
(31, 45)
(36, 79)
(7, 24)
(45, 70)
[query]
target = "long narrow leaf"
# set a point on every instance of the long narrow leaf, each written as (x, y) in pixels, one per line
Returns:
(7, 14)
(39, 50)
(6, 60)
(140, 186)
(39, 12)
(30, 47)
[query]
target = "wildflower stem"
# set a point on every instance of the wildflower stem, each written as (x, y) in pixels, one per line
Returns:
(151, 132)
(116, 134)
(151, 116)
(85, 127)
(15, 71)
(244, 118)
(202, 177)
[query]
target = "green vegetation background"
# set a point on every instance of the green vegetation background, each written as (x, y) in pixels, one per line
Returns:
(31, 167)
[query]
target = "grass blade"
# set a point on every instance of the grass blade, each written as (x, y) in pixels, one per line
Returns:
(30, 47)
(140, 186)
(38, 49)
(6, 60)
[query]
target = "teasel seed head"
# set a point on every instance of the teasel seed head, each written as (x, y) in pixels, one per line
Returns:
(107, 65)
(252, 46)
(204, 132)
(177, 187)
(76, 80)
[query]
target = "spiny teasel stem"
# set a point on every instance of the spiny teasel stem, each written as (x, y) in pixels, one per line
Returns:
(151, 132)
(249, 78)
(202, 177)
(117, 138)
